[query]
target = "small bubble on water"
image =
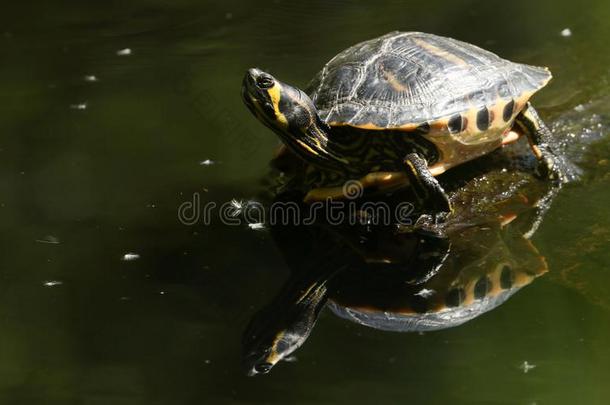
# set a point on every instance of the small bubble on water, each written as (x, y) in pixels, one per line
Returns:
(425, 293)
(128, 257)
(256, 226)
(90, 78)
(79, 106)
(207, 162)
(566, 32)
(527, 367)
(52, 283)
(50, 239)
(124, 52)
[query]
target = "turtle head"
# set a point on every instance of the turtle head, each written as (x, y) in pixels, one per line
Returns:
(292, 115)
(263, 349)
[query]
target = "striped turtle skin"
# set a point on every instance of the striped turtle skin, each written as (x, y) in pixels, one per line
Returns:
(406, 80)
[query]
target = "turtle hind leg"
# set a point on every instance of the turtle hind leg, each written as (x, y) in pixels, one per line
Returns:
(542, 142)
(428, 191)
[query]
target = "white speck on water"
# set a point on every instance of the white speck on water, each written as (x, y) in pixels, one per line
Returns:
(579, 108)
(527, 367)
(151, 205)
(161, 292)
(291, 359)
(566, 32)
(128, 257)
(80, 106)
(50, 239)
(237, 207)
(425, 293)
(257, 226)
(207, 361)
(52, 283)
(207, 162)
(124, 52)
(90, 78)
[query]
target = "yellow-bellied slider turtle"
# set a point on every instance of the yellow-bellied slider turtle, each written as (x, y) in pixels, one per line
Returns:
(403, 108)
(403, 280)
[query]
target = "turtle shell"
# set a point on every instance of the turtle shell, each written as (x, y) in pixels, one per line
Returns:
(406, 79)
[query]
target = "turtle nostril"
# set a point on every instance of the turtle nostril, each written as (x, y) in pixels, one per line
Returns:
(263, 368)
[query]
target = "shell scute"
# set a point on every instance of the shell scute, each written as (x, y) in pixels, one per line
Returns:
(408, 79)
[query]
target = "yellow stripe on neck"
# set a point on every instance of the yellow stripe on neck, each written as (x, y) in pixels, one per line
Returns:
(275, 93)
(305, 146)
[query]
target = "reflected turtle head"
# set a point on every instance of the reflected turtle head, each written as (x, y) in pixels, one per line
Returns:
(277, 330)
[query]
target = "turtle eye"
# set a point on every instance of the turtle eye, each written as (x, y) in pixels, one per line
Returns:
(263, 368)
(264, 82)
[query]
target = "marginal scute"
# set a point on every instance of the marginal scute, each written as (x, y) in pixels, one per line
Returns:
(507, 113)
(455, 297)
(483, 119)
(482, 288)
(407, 78)
(456, 124)
(507, 278)
(423, 128)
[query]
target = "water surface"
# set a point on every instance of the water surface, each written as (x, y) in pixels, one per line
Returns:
(93, 169)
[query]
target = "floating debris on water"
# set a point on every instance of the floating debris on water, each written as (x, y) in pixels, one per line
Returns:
(90, 78)
(257, 226)
(566, 32)
(52, 283)
(124, 52)
(291, 359)
(50, 239)
(80, 106)
(128, 257)
(237, 207)
(526, 367)
(425, 293)
(207, 162)
(579, 108)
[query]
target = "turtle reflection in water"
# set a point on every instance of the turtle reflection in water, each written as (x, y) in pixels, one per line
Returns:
(404, 279)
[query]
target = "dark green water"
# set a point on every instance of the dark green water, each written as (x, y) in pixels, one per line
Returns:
(99, 169)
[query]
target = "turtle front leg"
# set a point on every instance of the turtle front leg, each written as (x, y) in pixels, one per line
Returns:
(431, 196)
(541, 141)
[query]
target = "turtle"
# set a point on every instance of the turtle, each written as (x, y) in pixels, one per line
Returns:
(403, 279)
(402, 109)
